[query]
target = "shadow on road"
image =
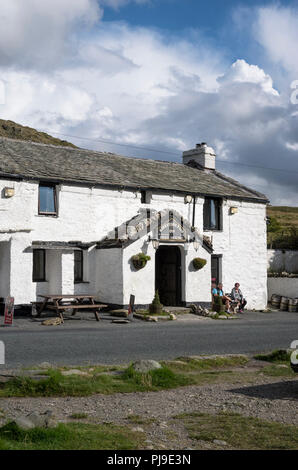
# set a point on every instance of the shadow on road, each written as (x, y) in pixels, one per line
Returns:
(285, 390)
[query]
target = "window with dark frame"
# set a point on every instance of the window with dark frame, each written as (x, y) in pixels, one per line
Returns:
(78, 266)
(47, 200)
(39, 265)
(143, 197)
(212, 214)
(216, 261)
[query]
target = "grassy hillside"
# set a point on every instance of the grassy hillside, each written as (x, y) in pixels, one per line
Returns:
(16, 131)
(283, 229)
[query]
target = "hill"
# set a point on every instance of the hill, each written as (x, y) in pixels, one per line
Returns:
(283, 227)
(13, 130)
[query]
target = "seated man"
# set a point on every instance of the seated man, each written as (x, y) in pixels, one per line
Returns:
(237, 296)
(225, 299)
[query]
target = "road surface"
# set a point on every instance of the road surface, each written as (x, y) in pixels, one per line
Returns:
(81, 342)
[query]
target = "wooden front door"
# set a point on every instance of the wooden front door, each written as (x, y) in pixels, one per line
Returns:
(168, 275)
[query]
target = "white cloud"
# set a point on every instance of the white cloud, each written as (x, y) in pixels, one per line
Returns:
(37, 33)
(276, 29)
(133, 85)
(242, 72)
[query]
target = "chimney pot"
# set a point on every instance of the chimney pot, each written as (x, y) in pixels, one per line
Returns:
(202, 154)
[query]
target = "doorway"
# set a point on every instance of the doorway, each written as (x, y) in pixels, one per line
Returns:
(168, 275)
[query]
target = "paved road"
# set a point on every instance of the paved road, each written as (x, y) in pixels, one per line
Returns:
(81, 342)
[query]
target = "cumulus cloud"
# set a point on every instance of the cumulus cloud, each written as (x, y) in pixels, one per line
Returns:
(38, 33)
(276, 29)
(111, 81)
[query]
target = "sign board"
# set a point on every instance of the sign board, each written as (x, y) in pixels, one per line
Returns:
(9, 310)
(2, 353)
(131, 307)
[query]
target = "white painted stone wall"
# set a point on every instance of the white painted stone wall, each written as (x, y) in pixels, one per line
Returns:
(88, 214)
(4, 269)
(242, 242)
(283, 260)
(109, 276)
(285, 286)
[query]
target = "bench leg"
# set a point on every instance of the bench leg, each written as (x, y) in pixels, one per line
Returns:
(96, 315)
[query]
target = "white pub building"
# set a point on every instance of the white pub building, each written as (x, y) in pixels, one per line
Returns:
(72, 220)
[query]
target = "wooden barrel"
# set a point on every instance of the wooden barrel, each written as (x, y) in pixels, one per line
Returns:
(275, 301)
(293, 305)
(284, 304)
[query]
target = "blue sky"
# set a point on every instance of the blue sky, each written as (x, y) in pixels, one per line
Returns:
(130, 76)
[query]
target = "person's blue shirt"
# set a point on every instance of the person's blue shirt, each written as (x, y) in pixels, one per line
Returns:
(217, 292)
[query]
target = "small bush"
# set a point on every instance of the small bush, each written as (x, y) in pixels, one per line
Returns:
(279, 355)
(156, 306)
(162, 378)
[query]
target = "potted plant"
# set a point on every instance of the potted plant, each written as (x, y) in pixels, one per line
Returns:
(156, 306)
(140, 260)
(199, 263)
(218, 305)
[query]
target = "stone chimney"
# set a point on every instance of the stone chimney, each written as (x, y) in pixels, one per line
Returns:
(202, 154)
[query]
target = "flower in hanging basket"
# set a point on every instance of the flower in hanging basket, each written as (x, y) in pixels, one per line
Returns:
(140, 260)
(199, 263)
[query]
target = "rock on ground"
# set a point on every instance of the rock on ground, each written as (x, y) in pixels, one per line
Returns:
(145, 365)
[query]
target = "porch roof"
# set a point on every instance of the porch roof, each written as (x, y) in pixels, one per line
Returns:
(54, 245)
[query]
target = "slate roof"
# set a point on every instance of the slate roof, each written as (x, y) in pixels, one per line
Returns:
(64, 164)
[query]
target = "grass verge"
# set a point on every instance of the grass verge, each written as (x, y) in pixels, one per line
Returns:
(240, 432)
(75, 385)
(74, 436)
(279, 361)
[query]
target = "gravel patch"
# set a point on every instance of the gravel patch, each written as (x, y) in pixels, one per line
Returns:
(270, 399)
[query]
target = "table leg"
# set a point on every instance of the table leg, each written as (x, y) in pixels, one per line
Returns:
(41, 309)
(59, 312)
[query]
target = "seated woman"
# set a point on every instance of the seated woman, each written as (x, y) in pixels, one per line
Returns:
(225, 299)
(237, 296)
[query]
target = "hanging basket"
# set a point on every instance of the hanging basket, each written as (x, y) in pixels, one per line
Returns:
(199, 263)
(139, 261)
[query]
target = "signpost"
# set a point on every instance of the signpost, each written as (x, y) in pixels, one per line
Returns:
(8, 312)
(131, 307)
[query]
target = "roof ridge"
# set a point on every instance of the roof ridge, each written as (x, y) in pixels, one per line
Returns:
(237, 184)
(100, 152)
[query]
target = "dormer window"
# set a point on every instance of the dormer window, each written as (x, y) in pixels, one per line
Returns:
(212, 214)
(47, 200)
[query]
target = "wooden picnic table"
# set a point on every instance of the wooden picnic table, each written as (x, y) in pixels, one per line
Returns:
(74, 302)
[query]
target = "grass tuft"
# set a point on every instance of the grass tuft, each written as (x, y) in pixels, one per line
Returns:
(74, 436)
(240, 432)
(277, 356)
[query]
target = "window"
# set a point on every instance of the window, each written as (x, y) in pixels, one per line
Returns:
(212, 214)
(47, 202)
(216, 262)
(78, 266)
(146, 197)
(39, 265)
(143, 197)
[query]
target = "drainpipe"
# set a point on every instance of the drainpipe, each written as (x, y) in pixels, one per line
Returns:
(194, 210)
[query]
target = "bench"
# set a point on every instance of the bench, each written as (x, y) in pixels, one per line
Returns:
(60, 308)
